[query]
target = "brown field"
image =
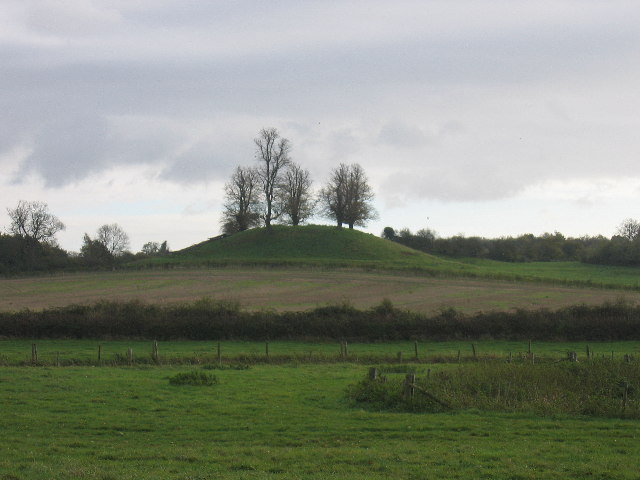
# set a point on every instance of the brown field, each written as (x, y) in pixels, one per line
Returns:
(295, 289)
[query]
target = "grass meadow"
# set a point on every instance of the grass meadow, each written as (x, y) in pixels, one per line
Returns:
(278, 422)
(85, 352)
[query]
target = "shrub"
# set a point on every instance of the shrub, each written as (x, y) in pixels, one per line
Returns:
(194, 378)
(598, 388)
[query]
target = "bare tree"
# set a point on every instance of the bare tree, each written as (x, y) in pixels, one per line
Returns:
(333, 195)
(241, 206)
(272, 153)
(295, 194)
(347, 196)
(32, 220)
(114, 239)
(629, 229)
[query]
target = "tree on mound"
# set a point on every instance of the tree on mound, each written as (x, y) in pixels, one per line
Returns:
(347, 197)
(241, 205)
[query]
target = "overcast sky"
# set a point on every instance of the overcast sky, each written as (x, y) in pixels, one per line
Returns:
(479, 117)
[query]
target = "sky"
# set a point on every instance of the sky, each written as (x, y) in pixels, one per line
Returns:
(489, 118)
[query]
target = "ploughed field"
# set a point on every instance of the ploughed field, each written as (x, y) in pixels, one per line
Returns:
(294, 289)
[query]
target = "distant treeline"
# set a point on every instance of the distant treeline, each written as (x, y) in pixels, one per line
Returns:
(525, 248)
(211, 320)
(20, 254)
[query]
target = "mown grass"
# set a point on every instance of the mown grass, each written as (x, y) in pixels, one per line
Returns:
(278, 423)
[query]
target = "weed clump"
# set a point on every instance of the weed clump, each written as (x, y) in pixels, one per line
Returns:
(194, 378)
(598, 388)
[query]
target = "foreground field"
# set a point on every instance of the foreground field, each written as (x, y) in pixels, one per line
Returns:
(296, 289)
(278, 422)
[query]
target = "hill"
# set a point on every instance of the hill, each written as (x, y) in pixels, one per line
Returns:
(309, 245)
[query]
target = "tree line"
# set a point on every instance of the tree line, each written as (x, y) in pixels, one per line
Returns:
(622, 249)
(277, 189)
(30, 243)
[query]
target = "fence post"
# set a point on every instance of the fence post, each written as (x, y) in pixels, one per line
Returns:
(588, 353)
(154, 351)
(572, 356)
(373, 373)
(409, 383)
(34, 353)
(473, 347)
(130, 356)
(415, 347)
(627, 358)
(510, 357)
(346, 349)
(266, 349)
(529, 347)
(219, 355)
(99, 353)
(625, 396)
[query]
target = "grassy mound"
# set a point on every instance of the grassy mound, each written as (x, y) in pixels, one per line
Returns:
(311, 244)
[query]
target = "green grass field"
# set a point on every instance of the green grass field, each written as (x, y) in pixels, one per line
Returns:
(289, 416)
(278, 422)
(18, 352)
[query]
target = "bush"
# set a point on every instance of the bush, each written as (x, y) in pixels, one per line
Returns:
(194, 378)
(598, 388)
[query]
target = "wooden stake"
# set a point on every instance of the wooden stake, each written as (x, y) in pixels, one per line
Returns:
(130, 356)
(529, 346)
(458, 356)
(34, 353)
(409, 388)
(473, 347)
(415, 347)
(99, 353)
(373, 373)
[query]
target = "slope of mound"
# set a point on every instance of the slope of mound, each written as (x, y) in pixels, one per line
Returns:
(310, 244)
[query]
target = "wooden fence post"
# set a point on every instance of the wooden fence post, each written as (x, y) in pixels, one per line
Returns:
(34, 353)
(627, 358)
(529, 351)
(154, 351)
(415, 347)
(130, 356)
(373, 373)
(473, 347)
(510, 357)
(409, 387)
(219, 355)
(99, 353)
(588, 353)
